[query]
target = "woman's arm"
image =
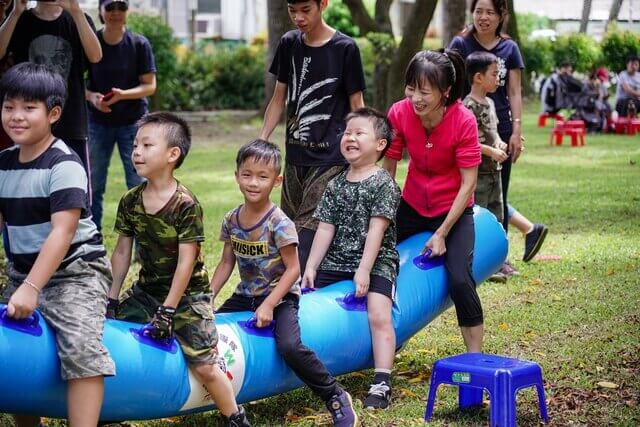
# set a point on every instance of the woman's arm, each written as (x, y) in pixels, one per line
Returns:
(469, 178)
(147, 87)
(515, 103)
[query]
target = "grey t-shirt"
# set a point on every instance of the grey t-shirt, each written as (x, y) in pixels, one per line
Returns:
(633, 81)
(349, 206)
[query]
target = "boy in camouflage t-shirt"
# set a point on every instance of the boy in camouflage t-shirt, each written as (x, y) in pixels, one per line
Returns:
(357, 233)
(171, 292)
(482, 69)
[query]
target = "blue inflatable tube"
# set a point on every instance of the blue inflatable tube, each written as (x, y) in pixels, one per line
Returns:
(153, 381)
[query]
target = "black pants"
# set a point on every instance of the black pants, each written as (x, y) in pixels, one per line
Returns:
(302, 360)
(505, 175)
(305, 240)
(458, 258)
(622, 106)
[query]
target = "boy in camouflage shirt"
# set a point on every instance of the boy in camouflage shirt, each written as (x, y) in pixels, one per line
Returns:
(482, 69)
(357, 233)
(263, 241)
(172, 291)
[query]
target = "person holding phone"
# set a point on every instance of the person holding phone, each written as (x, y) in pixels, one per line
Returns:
(116, 93)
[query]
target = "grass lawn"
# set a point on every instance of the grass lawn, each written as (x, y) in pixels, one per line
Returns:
(573, 309)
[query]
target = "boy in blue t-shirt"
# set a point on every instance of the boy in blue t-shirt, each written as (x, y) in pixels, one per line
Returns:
(357, 233)
(263, 240)
(58, 263)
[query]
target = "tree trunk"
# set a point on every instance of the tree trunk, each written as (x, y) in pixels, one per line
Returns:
(614, 12)
(453, 19)
(512, 23)
(586, 11)
(412, 41)
(278, 24)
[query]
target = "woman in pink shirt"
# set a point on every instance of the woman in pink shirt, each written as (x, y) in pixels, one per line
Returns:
(441, 137)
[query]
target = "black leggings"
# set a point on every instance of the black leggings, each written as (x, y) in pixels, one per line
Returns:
(301, 359)
(458, 258)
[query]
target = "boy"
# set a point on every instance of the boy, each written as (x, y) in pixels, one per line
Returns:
(319, 79)
(165, 219)
(61, 36)
(269, 273)
(58, 261)
(357, 233)
(482, 72)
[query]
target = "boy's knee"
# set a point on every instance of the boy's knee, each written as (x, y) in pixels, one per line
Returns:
(288, 349)
(208, 372)
(379, 319)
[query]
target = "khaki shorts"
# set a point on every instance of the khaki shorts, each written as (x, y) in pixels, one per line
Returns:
(74, 303)
(489, 193)
(302, 190)
(193, 322)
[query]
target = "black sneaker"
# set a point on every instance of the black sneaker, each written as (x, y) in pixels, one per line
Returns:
(341, 408)
(379, 396)
(533, 241)
(239, 419)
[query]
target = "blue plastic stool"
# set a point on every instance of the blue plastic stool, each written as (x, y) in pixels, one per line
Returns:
(501, 376)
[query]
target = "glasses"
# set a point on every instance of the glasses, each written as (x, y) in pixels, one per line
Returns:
(116, 5)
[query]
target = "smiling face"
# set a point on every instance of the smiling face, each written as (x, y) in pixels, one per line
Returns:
(256, 179)
(486, 18)
(307, 15)
(359, 144)
(28, 122)
(425, 98)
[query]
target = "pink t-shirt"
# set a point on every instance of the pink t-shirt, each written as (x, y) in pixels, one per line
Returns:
(433, 179)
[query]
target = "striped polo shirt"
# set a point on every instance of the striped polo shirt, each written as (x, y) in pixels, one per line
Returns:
(31, 192)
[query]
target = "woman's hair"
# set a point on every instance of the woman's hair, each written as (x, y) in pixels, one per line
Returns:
(34, 82)
(442, 69)
(501, 9)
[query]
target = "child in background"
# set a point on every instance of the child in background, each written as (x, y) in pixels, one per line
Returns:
(58, 263)
(263, 241)
(172, 291)
(357, 234)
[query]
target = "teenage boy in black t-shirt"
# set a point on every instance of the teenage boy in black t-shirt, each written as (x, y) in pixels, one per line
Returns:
(319, 79)
(61, 36)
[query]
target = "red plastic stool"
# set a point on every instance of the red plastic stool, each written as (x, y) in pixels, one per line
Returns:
(576, 129)
(624, 125)
(542, 118)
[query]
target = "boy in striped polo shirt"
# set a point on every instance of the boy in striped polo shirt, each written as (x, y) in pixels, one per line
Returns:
(59, 264)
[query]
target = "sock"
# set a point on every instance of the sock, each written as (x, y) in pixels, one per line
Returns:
(381, 375)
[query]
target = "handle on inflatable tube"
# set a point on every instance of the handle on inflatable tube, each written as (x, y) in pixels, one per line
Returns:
(351, 302)
(425, 262)
(142, 335)
(251, 327)
(305, 291)
(30, 325)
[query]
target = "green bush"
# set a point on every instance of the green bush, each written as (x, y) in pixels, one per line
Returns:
(538, 55)
(219, 78)
(578, 49)
(338, 16)
(617, 46)
(163, 44)
(527, 22)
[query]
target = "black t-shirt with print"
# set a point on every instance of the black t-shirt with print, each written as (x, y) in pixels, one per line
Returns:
(320, 81)
(56, 44)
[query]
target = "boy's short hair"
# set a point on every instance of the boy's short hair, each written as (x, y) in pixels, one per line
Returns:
(260, 151)
(632, 58)
(176, 131)
(479, 62)
(381, 125)
(302, 1)
(34, 82)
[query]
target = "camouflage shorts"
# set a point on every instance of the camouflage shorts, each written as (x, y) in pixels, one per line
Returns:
(302, 190)
(489, 193)
(74, 303)
(193, 322)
